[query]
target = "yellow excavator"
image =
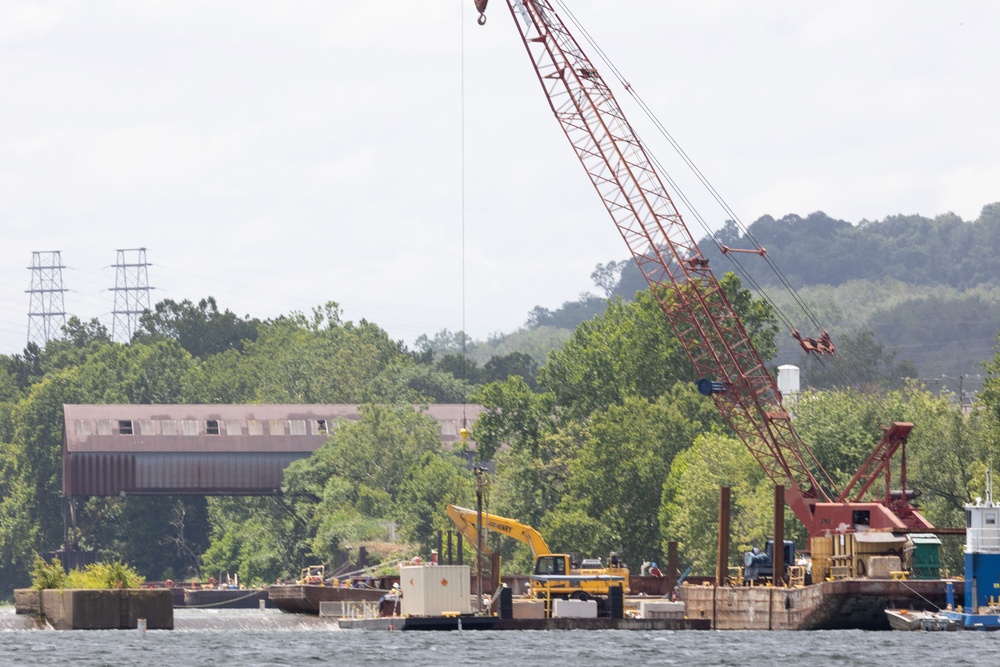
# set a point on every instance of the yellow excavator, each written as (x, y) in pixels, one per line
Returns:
(554, 575)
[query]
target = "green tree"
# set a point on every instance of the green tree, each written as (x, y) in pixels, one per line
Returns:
(631, 350)
(316, 359)
(499, 368)
(258, 538)
(690, 501)
(430, 486)
(618, 474)
(513, 415)
(386, 468)
(200, 329)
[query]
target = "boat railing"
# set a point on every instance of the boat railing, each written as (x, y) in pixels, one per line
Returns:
(982, 544)
(361, 609)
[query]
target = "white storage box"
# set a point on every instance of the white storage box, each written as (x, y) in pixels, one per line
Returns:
(574, 609)
(433, 590)
(661, 609)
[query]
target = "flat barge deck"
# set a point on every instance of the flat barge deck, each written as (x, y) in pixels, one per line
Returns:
(494, 623)
(305, 599)
(846, 604)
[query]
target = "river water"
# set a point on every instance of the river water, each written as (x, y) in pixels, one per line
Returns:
(243, 638)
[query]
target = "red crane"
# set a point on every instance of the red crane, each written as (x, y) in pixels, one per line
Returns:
(692, 299)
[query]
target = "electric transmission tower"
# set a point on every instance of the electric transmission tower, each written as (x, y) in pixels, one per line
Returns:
(131, 293)
(46, 308)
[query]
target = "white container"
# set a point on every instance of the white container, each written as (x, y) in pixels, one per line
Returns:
(434, 590)
(574, 609)
(788, 382)
(661, 609)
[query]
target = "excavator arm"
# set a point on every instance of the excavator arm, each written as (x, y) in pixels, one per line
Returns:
(467, 522)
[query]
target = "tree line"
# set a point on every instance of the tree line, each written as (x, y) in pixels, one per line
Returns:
(604, 445)
(912, 297)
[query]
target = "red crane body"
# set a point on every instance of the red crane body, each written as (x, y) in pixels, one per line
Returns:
(688, 292)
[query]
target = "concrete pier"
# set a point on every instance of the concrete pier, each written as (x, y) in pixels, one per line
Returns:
(102, 609)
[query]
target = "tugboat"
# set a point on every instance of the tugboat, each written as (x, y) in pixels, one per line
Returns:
(981, 609)
(982, 566)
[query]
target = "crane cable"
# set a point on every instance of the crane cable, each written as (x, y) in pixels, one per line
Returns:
(465, 397)
(839, 369)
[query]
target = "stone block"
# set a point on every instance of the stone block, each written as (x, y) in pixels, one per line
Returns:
(529, 609)
(26, 601)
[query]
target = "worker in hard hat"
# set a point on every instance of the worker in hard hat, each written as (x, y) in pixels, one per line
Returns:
(655, 571)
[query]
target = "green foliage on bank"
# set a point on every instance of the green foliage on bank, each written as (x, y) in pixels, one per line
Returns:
(601, 441)
(112, 574)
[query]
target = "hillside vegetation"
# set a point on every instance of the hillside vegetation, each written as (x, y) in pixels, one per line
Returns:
(596, 432)
(927, 289)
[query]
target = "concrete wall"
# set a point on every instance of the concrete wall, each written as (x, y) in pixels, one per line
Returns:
(72, 609)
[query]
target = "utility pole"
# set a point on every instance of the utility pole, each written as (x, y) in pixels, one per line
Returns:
(131, 293)
(481, 482)
(46, 308)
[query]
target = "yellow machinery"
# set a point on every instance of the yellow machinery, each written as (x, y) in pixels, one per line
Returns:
(312, 575)
(554, 575)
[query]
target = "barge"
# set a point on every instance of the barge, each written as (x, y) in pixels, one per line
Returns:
(844, 604)
(306, 598)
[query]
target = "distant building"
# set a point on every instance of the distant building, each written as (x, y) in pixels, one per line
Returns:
(111, 450)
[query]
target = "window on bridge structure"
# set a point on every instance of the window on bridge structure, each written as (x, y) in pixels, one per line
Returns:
(189, 427)
(84, 427)
(212, 427)
(168, 426)
(255, 427)
(297, 426)
(234, 426)
(124, 427)
(147, 427)
(321, 428)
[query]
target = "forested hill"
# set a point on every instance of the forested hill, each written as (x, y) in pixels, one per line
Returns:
(820, 250)
(925, 291)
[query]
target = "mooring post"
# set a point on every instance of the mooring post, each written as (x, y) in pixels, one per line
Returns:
(722, 562)
(671, 568)
(778, 557)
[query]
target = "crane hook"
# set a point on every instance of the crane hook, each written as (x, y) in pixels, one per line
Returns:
(481, 20)
(481, 8)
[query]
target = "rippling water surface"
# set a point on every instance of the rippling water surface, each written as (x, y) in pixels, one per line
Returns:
(272, 638)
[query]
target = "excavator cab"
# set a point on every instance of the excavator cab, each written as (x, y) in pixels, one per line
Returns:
(551, 564)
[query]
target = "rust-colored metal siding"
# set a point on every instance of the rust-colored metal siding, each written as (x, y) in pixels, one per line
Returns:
(204, 449)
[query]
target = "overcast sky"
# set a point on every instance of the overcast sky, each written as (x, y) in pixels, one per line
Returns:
(277, 155)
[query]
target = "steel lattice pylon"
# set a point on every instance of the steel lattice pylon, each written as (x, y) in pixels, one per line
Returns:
(46, 307)
(131, 293)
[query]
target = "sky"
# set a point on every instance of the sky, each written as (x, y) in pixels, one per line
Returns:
(399, 159)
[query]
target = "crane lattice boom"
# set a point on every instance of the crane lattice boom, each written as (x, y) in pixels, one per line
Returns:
(663, 248)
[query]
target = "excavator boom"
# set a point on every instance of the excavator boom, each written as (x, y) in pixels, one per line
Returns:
(467, 522)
